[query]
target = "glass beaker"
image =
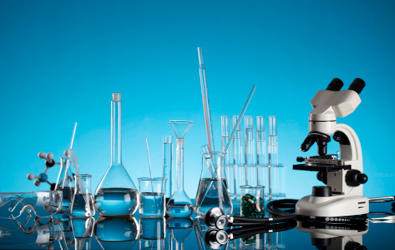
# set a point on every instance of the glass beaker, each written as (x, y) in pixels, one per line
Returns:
(179, 204)
(152, 197)
(82, 204)
(210, 193)
(116, 194)
(252, 202)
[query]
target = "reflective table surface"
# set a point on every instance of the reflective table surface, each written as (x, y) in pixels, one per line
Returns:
(144, 233)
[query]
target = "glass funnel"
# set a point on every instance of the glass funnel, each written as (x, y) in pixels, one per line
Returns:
(116, 194)
(179, 204)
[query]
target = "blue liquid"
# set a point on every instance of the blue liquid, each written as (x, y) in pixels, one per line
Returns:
(121, 229)
(116, 201)
(80, 208)
(68, 194)
(179, 210)
(152, 204)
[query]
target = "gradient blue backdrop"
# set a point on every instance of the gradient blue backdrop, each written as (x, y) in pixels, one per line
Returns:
(61, 60)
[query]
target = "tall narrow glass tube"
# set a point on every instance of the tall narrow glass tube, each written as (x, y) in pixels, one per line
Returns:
(249, 152)
(261, 152)
(205, 99)
(238, 169)
(179, 204)
(168, 163)
(228, 167)
(273, 158)
(116, 194)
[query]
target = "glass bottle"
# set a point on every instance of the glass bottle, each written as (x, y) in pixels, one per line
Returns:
(82, 205)
(116, 194)
(179, 204)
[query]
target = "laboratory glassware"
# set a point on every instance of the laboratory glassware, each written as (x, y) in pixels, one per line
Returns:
(82, 203)
(116, 232)
(168, 164)
(261, 152)
(153, 233)
(82, 231)
(238, 169)
(273, 158)
(249, 152)
(152, 197)
(179, 204)
(65, 182)
(179, 229)
(30, 204)
(206, 103)
(228, 166)
(252, 202)
(212, 193)
(116, 194)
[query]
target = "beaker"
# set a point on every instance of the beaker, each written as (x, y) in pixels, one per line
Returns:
(116, 194)
(153, 233)
(179, 204)
(210, 193)
(252, 202)
(82, 204)
(152, 197)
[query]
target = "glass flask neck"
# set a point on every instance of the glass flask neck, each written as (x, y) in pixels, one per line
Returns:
(180, 164)
(116, 132)
(83, 185)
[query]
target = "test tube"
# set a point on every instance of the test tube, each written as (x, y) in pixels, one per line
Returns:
(238, 169)
(168, 164)
(249, 152)
(273, 158)
(261, 153)
(228, 167)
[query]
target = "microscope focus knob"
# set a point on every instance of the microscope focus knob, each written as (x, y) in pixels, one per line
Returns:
(354, 178)
(354, 246)
(322, 191)
(322, 176)
(299, 159)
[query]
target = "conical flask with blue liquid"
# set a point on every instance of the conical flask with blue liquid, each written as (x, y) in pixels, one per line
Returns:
(116, 194)
(179, 204)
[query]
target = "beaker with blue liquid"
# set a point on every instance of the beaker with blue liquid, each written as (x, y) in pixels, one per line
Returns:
(152, 197)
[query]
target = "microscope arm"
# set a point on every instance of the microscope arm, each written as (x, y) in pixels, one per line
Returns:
(350, 147)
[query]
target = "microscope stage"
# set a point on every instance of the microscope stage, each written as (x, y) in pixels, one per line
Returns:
(320, 167)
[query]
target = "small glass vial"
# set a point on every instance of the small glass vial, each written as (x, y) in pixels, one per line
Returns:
(82, 203)
(252, 202)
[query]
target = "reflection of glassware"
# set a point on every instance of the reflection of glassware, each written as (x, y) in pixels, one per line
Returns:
(153, 233)
(40, 204)
(82, 204)
(209, 193)
(179, 204)
(252, 202)
(65, 182)
(116, 232)
(116, 194)
(168, 164)
(179, 228)
(200, 231)
(82, 231)
(152, 197)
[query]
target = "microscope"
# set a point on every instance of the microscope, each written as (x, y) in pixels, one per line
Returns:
(343, 175)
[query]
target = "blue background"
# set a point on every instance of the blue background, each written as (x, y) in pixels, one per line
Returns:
(61, 60)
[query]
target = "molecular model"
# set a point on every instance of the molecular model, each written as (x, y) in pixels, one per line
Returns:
(43, 177)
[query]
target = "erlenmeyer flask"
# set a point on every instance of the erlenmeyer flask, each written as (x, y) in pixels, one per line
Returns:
(179, 204)
(210, 192)
(116, 194)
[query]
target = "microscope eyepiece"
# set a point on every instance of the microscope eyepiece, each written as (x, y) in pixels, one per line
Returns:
(357, 85)
(335, 85)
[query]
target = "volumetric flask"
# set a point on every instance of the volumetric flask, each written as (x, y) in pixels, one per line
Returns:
(116, 194)
(82, 205)
(210, 192)
(152, 197)
(179, 204)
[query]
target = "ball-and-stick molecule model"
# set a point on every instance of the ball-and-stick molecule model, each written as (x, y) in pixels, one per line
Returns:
(43, 177)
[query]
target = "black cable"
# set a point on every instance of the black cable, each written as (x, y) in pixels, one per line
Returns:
(273, 207)
(271, 229)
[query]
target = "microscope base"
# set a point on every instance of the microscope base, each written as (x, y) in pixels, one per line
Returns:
(332, 206)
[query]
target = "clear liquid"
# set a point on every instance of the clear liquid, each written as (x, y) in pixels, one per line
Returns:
(179, 210)
(116, 201)
(152, 204)
(207, 196)
(82, 205)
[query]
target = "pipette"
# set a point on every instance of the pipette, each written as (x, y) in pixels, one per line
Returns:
(206, 103)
